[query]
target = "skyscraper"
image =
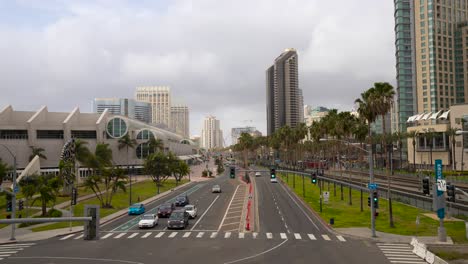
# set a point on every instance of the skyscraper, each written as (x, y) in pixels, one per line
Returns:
(237, 131)
(160, 99)
(212, 135)
(122, 106)
(180, 120)
(284, 98)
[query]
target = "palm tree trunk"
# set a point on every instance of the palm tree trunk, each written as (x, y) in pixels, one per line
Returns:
(401, 154)
(414, 154)
(454, 166)
(44, 207)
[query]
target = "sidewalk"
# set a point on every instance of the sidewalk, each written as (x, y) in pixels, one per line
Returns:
(365, 233)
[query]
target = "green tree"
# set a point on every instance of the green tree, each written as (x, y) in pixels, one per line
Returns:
(4, 170)
(46, 186)
(245, 143)
(384, 94)
(126, 143)
(158, 167)
(155, 145)
(413, 135)
(178, 168)
(37, 152)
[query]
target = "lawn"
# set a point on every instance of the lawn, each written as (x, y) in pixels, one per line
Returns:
(351, 216)
(140, 191)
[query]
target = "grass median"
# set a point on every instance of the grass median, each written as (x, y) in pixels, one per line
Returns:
(140, 191)
(346, 215)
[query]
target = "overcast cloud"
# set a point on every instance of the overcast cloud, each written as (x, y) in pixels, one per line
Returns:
(213, 53)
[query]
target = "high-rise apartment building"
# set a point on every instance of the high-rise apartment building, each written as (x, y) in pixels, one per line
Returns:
(160, 99)
(432, 56)
(180, 120)
(212, 135)
(284, 98)
(122, 106)
(237, 131)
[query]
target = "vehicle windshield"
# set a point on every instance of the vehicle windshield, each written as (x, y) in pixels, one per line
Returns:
(135, 206)
(188, 207)
(177, 215)
(165, 206)
(180, 198)
(147, 217)
(216, 186)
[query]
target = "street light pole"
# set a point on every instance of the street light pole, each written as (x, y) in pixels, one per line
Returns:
(13, 201)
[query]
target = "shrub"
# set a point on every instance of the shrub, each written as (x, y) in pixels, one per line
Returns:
(54, 213)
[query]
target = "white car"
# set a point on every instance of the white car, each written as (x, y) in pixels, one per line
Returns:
(273, 180)
(258, 174)
(148, 220)
(191, 210)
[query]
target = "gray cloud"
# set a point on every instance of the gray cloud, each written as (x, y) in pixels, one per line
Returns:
(212, 53)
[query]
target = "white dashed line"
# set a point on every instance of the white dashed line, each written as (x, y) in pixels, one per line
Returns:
(283, 236)
(173, 234)
(80, 236)
(326, 237)
(341, 238)
(241, 235)
(312, 237)
(213, 235)
(227, 235)
(254, 235)
(187, 234)
(297, 236)
(269, 235)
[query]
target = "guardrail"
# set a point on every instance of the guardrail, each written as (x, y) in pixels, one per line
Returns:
(416, 200)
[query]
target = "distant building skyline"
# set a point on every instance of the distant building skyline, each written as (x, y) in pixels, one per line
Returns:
(123, 106)
(212, 135)
(160, 99)
(237, 131)
(180, 121)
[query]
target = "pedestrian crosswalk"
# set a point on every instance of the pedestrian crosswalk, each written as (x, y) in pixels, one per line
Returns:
(399, 253)
(209, 235)
(7, 250)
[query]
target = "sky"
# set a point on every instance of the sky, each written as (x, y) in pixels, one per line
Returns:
(212, 53)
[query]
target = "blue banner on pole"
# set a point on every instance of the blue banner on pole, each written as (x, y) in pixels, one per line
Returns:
(440, 194)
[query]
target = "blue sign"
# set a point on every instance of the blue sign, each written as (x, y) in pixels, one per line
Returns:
(16, 189)
(372, 186)
(440, 194)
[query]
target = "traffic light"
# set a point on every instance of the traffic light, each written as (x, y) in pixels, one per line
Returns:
(232, 174)
(313, 178)
(375, 197)
(368, 201)
(425, 183)
(451, 192)
(9, 206)
(272, 173)
(74, 196)
(20, 205)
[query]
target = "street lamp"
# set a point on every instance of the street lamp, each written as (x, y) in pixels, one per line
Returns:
(371, 176)
(13, 202)
(461, 132)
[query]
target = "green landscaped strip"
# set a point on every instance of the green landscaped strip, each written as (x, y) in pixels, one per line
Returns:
(143, 190)
(351, 216)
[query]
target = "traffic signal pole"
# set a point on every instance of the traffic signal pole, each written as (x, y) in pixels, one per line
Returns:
(371, 180)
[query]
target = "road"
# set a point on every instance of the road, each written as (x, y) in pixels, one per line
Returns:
(288, 232)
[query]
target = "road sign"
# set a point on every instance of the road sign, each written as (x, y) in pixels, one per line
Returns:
(441, 185)
(440, 201)
(373, 186)
(326, 196)
(16, 189)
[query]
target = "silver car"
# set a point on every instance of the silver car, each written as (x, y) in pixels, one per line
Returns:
(216, 189)
(191, 210)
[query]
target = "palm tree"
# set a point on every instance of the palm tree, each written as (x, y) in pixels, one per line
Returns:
(155, 144)
(245, 143)
(4, 169)
(82, 152)
(46, 186)
(413, 135)
(127, 142)
(430, 135)
(37, 152)
(452, 132)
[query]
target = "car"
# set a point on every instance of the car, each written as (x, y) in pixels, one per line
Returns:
(274, 180)
(191, 210)
(166, 209)
(148, 220)
(216, 189)
(136, 209)
(178, 219)
(258, 174)
(182, 200)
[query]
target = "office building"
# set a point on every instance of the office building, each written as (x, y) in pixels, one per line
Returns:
(160, 99)
(284, 98)
(180, 120)
(315, 114)
(237, 131)
(122, 106)
(212, 135)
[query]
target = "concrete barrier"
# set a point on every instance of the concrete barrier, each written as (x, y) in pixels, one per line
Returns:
(421, 250)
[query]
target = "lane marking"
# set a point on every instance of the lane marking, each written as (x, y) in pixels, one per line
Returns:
(312, 237)
(254, 235)
(408, 262)
(22, 244)
(241, 235)
(120, 235)
(299, 207)
(108, 235)
(204, 213)
(269, 235)
(236, 223)
(67, 237)
(297, 236)
(160, 234)
(187, 234)
(283, 236)
(224, 217)
(200, 234)
(133, 235)
(256, 255)
(326, 237)
(173, 234)
(213, 235)
(80, 236)
(227, 235)
(341, 238)
(235, 212)
(147, 235)
(238, 216)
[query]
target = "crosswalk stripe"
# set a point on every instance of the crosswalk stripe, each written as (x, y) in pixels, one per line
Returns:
(254, 235)
(8, 252)
(4, 256)
(133, 235)
(241, 235)
(405, 258)
(146, 235)
(396, 250)
(283, 236)
(269, 235)
(407, 262)
(408, 254)
(297, 236)
(120, 235)
(326, 237)
(173, 234)
(227, 235)
(12, 247)
(341, 238)
(160, 234)
(67, 237)
(80, 236)
(23, 244)
(108, 235)
(187, 234)
(200, 234)
(391, 246)
(213, 235)
(312, 237)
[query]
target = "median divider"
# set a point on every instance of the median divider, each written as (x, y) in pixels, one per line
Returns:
(421, 251)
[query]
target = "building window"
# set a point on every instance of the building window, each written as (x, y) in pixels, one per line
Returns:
(116, 127)
(145, 135)
(143, 151)
(49, 134)
(13, 134)
(84, 134)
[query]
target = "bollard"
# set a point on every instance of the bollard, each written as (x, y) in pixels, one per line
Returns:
(332, 221)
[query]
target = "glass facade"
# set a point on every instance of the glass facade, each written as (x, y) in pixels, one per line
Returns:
(116, 128)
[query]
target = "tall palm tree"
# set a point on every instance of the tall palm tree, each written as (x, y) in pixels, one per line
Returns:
(47, 186)
(37, 152)
(413, 135)
(430, 140)
(127, 143)
(451, 133)
(245, 143)
(155, 144)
